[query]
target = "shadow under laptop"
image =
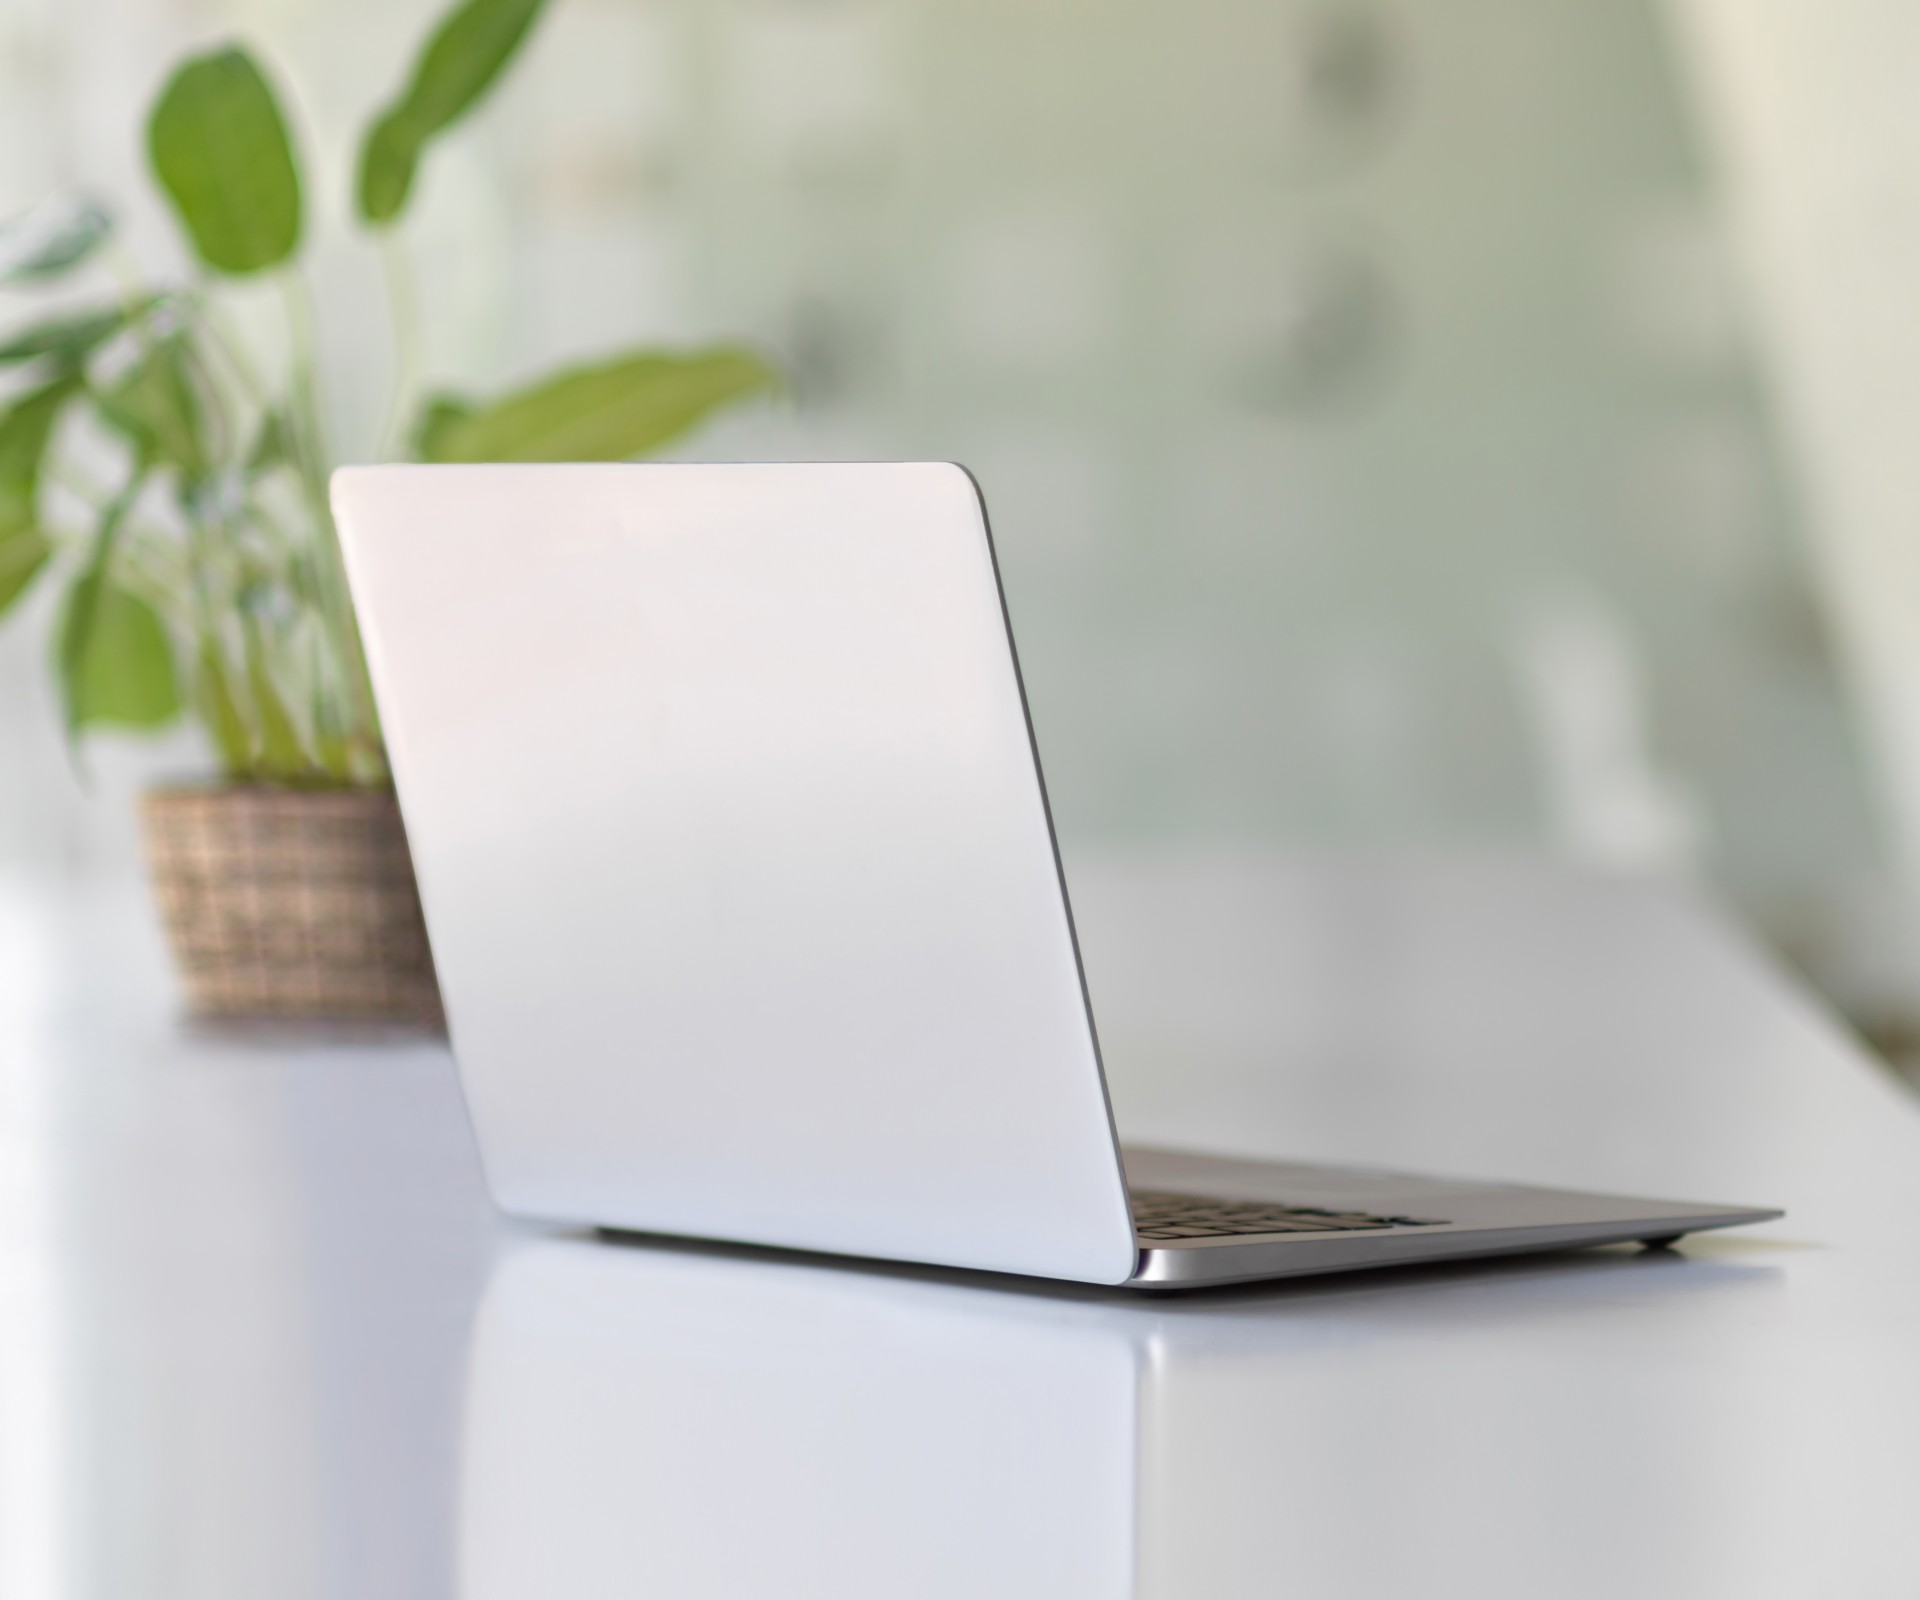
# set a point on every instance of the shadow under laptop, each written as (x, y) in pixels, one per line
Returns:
(689, 1421)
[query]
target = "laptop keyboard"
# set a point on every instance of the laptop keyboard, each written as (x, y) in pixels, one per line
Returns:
(1162, 1214)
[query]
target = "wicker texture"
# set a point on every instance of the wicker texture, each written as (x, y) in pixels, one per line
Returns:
(291, 903)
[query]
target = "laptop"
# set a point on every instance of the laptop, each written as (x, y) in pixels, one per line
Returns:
(744, 897)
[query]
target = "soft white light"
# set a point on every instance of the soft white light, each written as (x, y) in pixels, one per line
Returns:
(32, 1464)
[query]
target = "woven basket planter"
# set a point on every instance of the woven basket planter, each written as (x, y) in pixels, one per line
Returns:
(291, 903)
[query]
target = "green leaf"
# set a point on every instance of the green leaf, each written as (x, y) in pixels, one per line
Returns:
(24, 431)
(115, 660)
(461, 58)
(220, 147)
(112, 654)
(22, 554)
(332, 749)
(25, 428)
(605, 413)
(282, 755)
(220, 712)
(51, 238)
(272, 446)
(438, 416)
(68, 340)
(157, 407)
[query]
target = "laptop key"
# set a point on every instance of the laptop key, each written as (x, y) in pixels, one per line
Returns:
(1165, 1214)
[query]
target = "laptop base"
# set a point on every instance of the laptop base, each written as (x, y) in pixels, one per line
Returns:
(1444, 1219)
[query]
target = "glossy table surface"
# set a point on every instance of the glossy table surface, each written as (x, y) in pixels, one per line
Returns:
(260, 1333)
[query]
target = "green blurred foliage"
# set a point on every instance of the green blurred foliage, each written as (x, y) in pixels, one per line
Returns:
(206, 577)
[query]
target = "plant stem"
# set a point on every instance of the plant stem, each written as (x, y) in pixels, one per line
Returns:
(146, 549)
(230, 351)
(403, 301)
(126, 276)
(163, 583)
(310, 452)
(76, 632)
(84, 489)
(305, 383)
(149, 551)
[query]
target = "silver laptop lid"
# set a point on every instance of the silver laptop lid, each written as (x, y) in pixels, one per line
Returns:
(735, 856)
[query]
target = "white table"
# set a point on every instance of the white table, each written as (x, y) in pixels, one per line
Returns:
(260, 1334)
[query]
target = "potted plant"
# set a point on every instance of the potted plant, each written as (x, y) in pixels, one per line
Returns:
(169, 477)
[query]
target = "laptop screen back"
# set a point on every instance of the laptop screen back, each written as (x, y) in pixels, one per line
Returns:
(735, 856)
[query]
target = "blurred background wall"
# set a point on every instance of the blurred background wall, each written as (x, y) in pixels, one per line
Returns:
(1380, 447)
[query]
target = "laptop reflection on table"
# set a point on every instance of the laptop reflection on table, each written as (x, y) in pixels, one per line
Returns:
(685, 1422)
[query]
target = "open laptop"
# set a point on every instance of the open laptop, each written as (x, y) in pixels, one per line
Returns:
(745, 902)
